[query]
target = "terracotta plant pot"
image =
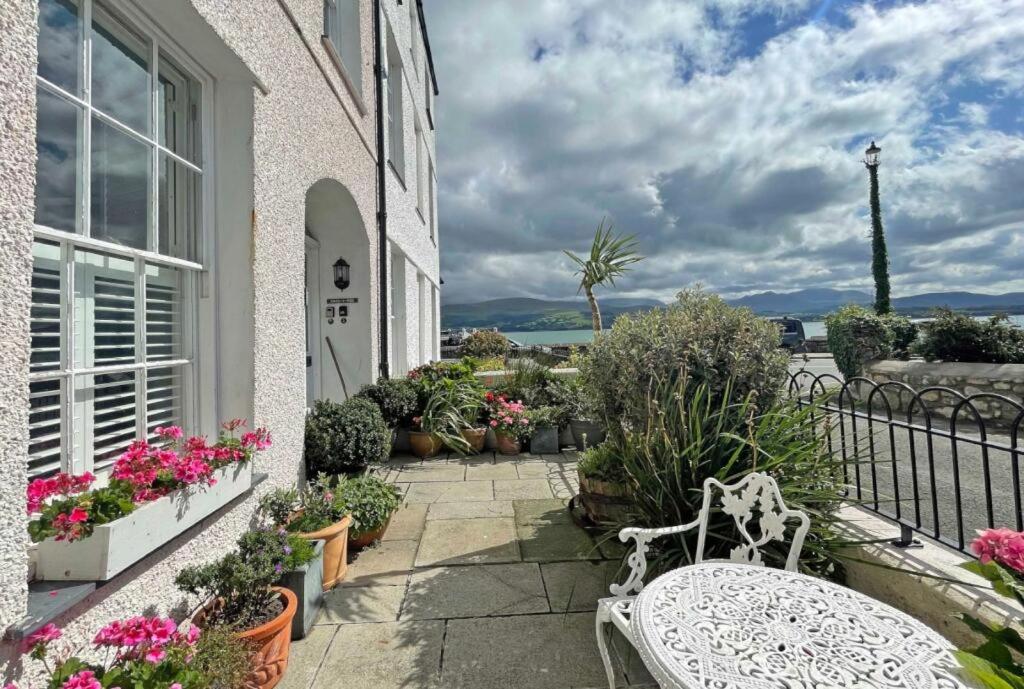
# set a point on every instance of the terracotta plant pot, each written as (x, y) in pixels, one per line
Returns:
(605, 502)
(335, 538)
(425, 445)
(365, 538)
(271, 643)
(475, 437)
(507, 445)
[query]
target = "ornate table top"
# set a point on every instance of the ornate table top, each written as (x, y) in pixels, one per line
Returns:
(720, 625)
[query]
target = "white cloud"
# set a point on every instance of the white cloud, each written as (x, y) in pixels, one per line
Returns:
(737, 165)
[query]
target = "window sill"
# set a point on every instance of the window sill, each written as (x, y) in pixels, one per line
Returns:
(48, 600)
(350, 86)
(430, 118)
(420, 214)
(398, 175)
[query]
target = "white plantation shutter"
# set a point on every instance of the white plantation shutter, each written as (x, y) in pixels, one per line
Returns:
(117, 238)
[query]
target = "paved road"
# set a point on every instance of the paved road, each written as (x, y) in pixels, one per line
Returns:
(874, 449)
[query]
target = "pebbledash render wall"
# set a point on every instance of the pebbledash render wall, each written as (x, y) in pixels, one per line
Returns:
(990, 382)
(283, 120)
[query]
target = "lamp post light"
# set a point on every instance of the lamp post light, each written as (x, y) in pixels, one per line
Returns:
(879, 253)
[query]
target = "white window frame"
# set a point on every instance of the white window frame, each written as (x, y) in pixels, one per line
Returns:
(432, 201)
(195, 273)
(421, 146)
(414, 37)
(396, 123)
(345, 44)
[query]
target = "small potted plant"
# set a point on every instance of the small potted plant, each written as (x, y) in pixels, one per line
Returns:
(586, 431)
(544, 421)
(314, 514)
(604, 485)
(239, 592)
(441, 422)
(510, 423)
(370, 502)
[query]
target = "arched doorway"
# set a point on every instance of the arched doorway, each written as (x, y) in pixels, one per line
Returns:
(339, 338)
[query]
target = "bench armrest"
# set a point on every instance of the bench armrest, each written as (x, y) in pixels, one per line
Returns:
(637, 560)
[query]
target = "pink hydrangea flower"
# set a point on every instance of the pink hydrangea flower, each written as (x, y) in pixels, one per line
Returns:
(1004, 546)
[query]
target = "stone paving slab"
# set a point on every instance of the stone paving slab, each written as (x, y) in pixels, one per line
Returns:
(564, 487)
(355, 604)
(430, 471)
(406, 523)
(522, 489)
(306, 657)
(577, 586)
(475, 591)
(386, 564)
(468, 542)
(553, 511)
(491, 471)
(460, 491)
(541, 469)
(522, 652)
(470, 510)
(391, 655)
(555, 542)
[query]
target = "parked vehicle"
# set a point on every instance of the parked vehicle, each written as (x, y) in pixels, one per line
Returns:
(792, 331)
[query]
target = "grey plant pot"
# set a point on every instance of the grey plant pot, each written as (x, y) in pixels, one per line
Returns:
(307, 583)
(544, 440)
(400, 442)
(565, 436)
(586, 433)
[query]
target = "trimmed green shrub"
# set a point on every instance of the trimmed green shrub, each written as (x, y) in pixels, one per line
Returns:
(344, 438)
(484, 344)
(395, 397)
(954, 336)
(699, 338)
(857, 335)
(603, 463)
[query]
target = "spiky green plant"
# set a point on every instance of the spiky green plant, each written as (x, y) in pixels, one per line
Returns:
(610, 257)
(692, 435)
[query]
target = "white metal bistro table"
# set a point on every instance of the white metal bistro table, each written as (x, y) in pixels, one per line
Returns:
(721, 625)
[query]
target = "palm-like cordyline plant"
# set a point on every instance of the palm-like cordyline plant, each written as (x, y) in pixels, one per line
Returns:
(610, 257)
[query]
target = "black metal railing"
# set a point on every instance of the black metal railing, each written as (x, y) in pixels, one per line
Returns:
(936, 461)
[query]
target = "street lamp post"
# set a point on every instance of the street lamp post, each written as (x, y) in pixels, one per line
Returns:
(879, 253)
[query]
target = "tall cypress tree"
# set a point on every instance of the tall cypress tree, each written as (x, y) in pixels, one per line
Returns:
(879, 253)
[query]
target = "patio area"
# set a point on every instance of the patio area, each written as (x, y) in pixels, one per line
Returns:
(482, 580)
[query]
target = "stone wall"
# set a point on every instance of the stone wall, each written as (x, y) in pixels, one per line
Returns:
(968, 379)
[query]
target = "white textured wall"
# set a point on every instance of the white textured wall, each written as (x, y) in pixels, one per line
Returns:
(17, 188)
(306, 128)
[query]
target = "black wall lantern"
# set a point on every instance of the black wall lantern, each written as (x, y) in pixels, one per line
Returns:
(341, 274)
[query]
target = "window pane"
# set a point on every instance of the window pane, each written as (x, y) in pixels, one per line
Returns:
(44, 424)
(105, 415)
(164, 290)
(176, 126)
(45, 321)
(104, 310)
(57, 133)
(60, 44)
(164, 395)
(178, 209)
(120, 72)
(120, 190)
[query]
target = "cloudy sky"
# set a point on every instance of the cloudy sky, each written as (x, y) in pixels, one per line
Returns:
(727, 136)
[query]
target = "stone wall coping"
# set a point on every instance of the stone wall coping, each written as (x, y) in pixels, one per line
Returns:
(996, 372)
(929, 584)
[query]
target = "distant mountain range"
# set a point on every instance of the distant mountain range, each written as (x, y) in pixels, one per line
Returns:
(537, 314)
(810, 304)
(817, 302)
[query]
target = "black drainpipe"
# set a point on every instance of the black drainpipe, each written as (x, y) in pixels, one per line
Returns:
(382, 206)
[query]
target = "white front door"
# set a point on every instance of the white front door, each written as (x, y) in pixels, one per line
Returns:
(312, 321)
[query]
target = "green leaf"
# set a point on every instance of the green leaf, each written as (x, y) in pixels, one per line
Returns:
(1003, 635)
(988, 674)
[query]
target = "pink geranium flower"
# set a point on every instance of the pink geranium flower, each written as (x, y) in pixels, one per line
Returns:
(44, 635)
(86, 679)
(1004, 546)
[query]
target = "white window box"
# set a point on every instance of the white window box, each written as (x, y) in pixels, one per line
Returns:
(114, 547)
